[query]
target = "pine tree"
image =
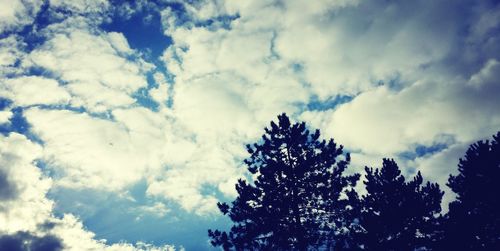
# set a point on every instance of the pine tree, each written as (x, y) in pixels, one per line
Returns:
(473, 220)
(295, 201)
(396, 214)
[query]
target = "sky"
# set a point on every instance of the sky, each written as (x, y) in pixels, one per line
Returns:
(122, 123)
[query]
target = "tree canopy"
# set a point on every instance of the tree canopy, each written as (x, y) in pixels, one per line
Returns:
(473, 221)
(397, 214)
(298, 196)
(295, 200)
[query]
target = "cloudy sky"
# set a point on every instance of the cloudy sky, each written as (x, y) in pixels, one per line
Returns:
(122, 123)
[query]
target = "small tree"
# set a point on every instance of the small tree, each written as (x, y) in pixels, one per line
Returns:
(395, 214)
(295, 199)
(473, 220)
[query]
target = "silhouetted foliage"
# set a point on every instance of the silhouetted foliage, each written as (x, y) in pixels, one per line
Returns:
(295, 201)
(473, 220)
(300, 199)
(396, 214)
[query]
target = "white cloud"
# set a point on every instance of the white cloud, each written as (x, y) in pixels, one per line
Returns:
(98, 77)
(160, 93)
(27, 208)
(80, 5)
(16, 13)
(488, 76)
(119, 42)
(259, 52)
(94, 10)
(336, 60)
(98, 153)
(71, 230)
(387, 122)
(112, 155)
(158, 209)
(210, 106)
(76, 238)
(356, 46)
(5, 116)
(218, 113)
(222, 98)
(230, 81)
(32, 90)
(10, 53)
(206, 167)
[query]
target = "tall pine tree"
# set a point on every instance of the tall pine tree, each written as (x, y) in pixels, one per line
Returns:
(398, 215)
(473, 220)
(295, 201)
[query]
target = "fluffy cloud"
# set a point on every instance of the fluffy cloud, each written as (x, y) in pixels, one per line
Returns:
(138, 144)
(32, 90)
(98, 71)
(10, 53)
(99, 153)
(80, 6)
(16, 13)
(27, 221)
(336, 61)
(99, 77)
(387, 122)
(347, 48)
(160, 94)
(5, 116)
(158, 209)
(94, 11)
(207, 167)
(26, 196)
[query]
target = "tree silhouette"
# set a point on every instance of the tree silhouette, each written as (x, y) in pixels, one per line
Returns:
(397, 214)
(295, 200)
(473, 220)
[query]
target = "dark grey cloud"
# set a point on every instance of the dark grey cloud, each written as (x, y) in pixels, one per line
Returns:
(47, 226)
(46, 243)
(23, 241)
(8, 189)
(456, 37)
